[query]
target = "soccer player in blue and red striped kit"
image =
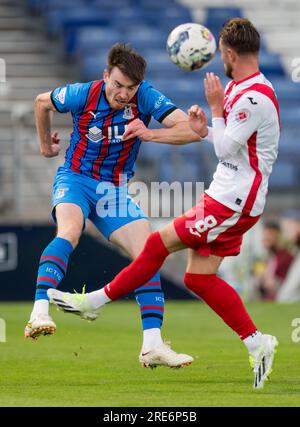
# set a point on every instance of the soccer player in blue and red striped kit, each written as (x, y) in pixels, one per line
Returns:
(102, 151)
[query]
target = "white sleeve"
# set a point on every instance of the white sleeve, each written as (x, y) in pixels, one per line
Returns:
(224, 145)
(209, 137)
(246, 116)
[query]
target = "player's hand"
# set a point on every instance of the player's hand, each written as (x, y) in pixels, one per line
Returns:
(53, 149)
(198, 120)
(214, 93)
(137, 129)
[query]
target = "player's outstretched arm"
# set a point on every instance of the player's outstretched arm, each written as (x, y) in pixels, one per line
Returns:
(43, 107)
(177, 130)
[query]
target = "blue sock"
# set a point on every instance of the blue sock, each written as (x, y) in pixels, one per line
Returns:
(53, 266)
(150, 298)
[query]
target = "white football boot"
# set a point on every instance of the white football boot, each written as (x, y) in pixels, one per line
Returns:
(261, 361)
(163, 355)
(40, 324)
(73, 303)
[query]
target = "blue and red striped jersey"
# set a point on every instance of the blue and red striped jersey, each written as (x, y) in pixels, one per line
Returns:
(96, 148)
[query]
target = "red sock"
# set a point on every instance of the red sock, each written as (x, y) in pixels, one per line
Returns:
(140, 270)
(223, 299)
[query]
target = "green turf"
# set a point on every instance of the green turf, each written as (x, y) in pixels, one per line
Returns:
(95, 364)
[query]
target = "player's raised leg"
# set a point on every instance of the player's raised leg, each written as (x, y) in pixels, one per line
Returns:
(201, 278)
(53, 266)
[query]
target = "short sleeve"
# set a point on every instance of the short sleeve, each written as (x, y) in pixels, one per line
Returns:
(70, 98)
(246, 116)
(154, 103)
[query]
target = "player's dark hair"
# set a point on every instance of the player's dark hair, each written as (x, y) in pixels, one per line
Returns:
(241, 35)
(128, 60)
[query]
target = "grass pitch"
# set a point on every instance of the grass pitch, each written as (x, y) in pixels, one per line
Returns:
(96, 364)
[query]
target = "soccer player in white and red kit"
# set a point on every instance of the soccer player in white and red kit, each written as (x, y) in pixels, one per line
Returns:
(245, 134)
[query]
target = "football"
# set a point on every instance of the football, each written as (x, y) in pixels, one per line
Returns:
(191, 46)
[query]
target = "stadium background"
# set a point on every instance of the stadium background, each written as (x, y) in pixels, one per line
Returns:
(47, 43)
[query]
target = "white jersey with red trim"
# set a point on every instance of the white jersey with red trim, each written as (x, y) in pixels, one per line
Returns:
(251, 115)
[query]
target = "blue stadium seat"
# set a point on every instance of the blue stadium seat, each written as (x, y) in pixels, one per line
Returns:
(171, 18)
(165, 18)
(271, 65)
(187, 171)
(111, 5)
(290, 117)
(187, 151)
(216, 16)
(151, 151)
(283, 176)
(92, 66)
(92, 40)
(286, 90)
(146, 38)
(182, 92)
(159, 64)
(156, 4)
(126, 18)
(46, 5)
(35, 5)
(289, 147)
(75, 18)
(89, 39)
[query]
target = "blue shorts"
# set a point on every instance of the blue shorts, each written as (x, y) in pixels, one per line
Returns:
(107, 206)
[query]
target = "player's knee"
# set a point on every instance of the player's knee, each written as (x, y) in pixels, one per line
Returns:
(199, 282)
(154, 246)
(149, 245)
(72, 234)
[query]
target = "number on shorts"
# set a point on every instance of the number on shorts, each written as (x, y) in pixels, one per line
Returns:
(203, 225)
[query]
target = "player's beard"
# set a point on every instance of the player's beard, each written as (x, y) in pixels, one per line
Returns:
(228, 70)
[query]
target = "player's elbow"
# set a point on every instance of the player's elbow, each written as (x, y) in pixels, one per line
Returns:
(43, 102)
(38, 100)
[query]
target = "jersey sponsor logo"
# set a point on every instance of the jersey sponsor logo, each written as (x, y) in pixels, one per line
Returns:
(114, 135)
(229, 165)
(95, 134)
(128, 114)
(242, 116)
(203, 225)
(61, 96)
(159, 101)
